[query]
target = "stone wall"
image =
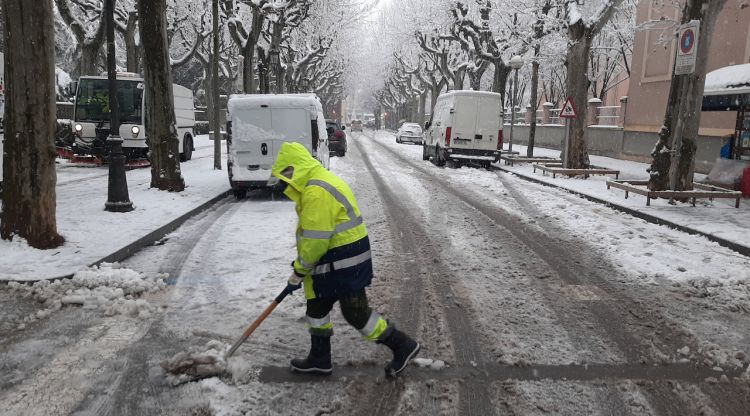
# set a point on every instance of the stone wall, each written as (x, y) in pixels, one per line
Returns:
(615, 142)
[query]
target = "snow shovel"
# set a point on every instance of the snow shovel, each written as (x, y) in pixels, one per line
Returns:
(249, 331)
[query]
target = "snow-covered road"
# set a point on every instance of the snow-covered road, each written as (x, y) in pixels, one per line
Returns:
(539, 302)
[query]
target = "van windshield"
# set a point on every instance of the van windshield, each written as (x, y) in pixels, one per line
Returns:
(92, 101)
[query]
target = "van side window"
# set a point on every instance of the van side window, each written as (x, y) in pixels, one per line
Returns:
(315, 134)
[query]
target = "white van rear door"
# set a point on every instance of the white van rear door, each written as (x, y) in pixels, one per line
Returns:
(253, 138)
(488, 123)
(464, 121)
(291, 125)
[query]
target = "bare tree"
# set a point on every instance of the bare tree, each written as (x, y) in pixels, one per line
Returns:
(29, 177)
(78, 16)
(160, 117)
(245, 39)
(581, 33)
(683, 114)
(214, 114)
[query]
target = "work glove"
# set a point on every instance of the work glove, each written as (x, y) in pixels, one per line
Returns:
(294, 282)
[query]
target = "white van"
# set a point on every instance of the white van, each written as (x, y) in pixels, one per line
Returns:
(92, 112)
(465, 127)
(258, 124)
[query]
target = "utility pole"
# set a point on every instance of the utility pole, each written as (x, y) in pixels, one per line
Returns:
(216, 115)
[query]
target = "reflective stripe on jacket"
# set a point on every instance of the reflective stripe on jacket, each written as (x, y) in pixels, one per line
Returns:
(333, 250)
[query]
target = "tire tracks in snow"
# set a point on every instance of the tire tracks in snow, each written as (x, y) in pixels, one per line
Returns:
(640, 333)
(90, 362)
(474, 397)
(129, 386)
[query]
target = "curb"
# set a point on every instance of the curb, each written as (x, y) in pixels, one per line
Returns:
(141, 243)
(738, 248)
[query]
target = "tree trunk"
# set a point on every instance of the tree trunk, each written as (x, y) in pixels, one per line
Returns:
(534, 100)
(215, 97)
(160, 117)
(684, 106)
(501, 78)
(577, 86)
(422, 109)
(29, 178)
(248, 70)
(131, 46)
(90, 52)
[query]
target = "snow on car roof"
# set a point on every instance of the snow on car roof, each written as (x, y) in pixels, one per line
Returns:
(734, 79)
(244, 101)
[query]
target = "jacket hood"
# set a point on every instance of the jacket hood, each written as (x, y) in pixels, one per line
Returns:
(297, 156)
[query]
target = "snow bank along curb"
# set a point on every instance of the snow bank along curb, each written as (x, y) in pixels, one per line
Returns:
(145, 241)
(109, 288)
(739, 248)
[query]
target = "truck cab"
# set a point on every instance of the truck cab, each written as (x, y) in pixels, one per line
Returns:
(91, 116)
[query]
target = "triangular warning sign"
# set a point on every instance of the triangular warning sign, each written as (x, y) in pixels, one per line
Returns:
(568, 110)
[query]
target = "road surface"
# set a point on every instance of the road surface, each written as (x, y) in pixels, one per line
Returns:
(526, 293)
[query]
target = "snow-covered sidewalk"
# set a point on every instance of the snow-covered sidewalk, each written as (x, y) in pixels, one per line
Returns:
(92, 233)
(717, 218)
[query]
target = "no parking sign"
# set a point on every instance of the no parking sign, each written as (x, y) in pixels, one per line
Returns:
(687, 50)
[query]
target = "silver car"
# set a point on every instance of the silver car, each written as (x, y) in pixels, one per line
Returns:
(410, 132)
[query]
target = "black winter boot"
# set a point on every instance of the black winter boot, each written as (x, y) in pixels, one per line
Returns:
(319, 359)
(404, 349)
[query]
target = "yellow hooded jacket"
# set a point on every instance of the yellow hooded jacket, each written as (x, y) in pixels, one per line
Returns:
(333, 249)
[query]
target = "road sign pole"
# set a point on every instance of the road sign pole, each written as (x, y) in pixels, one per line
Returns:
(566, 143)
(568, 112)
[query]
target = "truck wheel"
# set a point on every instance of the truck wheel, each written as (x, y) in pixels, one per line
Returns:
(439, 160)
(425, 155)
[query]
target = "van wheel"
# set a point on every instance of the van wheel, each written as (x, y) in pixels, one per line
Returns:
(187, 149)
(240, 194)
(425, 155)
(439, 160)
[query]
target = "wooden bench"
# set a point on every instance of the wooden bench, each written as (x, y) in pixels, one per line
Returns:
(701, 191)
(511, 160)
(557, 169)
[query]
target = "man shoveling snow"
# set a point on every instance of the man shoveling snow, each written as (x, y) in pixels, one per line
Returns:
(334, 261)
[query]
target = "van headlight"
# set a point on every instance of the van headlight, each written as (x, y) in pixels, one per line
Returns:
(135, 130)
(78, 127)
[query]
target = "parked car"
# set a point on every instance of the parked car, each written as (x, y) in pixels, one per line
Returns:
(465, 127)
(257, 127)
(356, 125)
(410, 132)
(336, 138)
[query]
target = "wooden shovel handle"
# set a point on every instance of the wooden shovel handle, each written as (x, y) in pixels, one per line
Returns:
(249, 331)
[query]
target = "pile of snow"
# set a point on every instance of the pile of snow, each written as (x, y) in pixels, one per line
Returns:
(108, 288)
(206, 362)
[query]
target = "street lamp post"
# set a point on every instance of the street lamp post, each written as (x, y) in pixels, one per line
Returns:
(118, 199)
(516, 63)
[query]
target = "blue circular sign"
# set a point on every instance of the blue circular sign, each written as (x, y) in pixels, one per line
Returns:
(687, 41)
